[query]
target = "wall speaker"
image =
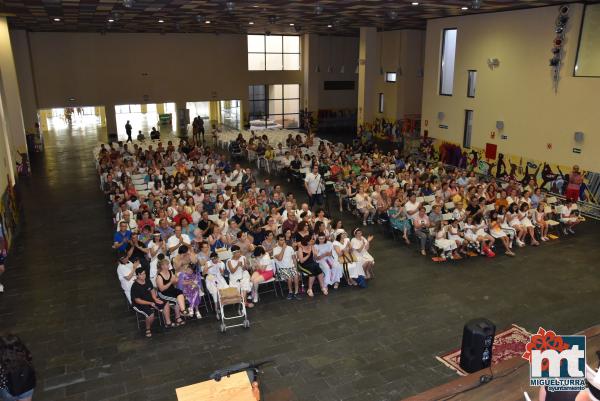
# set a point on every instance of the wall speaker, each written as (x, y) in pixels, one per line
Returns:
(441, 115)
(578, 136)
(477, 343)
(500, 125)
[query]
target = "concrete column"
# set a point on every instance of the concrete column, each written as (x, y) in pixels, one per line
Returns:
(160, 108)
(7, 168)
(181, 126)
(111, 119)
(367, 73)
(10, 86)
(44, 115)
(310, 61)
(21, 51)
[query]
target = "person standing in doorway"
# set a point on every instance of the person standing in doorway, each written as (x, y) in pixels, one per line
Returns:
(128, 131)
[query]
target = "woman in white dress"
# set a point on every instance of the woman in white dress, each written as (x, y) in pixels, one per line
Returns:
(496, 231)
(512, 216)
(484, 238)
(238, 273)
(526, 222)
(455, 235)
(332, 270)
(360, 248)
(442, 242)
(343, 255)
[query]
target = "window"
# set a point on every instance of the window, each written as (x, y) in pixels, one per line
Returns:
(472, 80)
(128, 108)
(273, 52)
(390, 77)
(381, 103)
(468, 128)
(230, 112)
(274, 106)
(447, 62)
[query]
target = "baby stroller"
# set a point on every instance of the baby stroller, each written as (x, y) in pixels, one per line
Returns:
(231, 296)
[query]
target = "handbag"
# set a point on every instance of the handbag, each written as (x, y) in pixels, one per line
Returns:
(20, 379)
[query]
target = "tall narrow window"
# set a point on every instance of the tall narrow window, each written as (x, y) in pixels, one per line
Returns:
(468, 128)
(381, 102)
(472, 81)
(447, 62)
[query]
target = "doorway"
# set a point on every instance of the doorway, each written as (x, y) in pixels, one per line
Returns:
(144, 117)
(76, 117)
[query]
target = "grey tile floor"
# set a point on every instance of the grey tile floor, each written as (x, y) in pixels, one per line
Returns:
(62, 296)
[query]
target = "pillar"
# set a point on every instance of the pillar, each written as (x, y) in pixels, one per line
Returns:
(160, 108)
(111, 119)
(367, 73)
(21, 51)
(182, 118)
(310, 61)
(45, 114)
(99, 112)
(13, 114)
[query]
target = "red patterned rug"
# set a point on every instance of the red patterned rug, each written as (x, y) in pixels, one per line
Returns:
(508, 344)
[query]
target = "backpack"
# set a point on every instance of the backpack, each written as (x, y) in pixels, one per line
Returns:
(21, 379)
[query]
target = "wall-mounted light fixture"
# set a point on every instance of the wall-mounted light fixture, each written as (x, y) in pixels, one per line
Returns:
(493, 63)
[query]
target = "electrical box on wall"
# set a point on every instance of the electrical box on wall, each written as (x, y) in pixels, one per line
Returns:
(505, 137)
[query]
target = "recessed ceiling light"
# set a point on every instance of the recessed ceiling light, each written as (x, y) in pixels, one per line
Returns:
(161, 21)
(329, 26)
(464, 8)
(251, 23)
(415, 3)
(256, 6)
(207, 22)
(111, 20)
(56, 19)
(292, 24)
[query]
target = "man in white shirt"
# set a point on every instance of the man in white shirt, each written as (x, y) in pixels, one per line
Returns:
(284, 258)
(126, 274)
(131, 223)
(176, 240)
(315, 186)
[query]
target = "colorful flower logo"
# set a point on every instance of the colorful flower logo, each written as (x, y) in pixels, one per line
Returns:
(544, 340)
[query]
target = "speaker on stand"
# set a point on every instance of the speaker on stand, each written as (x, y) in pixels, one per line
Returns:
(477, 344)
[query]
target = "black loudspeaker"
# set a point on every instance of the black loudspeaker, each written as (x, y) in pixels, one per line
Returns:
(477, 343)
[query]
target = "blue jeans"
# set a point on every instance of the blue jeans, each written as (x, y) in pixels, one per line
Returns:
(6, 396)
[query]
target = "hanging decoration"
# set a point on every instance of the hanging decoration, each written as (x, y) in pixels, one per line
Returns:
(559, 39)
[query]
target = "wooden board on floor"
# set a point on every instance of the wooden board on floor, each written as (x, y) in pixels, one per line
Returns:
(511, 379)
(233, 388)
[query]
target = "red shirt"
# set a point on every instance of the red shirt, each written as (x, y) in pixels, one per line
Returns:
(143, 223)
(177, 219)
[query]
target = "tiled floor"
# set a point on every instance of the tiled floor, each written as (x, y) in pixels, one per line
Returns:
(62, 296)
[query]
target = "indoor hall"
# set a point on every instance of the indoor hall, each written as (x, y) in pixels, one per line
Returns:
(481, 111)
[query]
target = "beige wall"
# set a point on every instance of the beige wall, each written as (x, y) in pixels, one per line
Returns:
(12, 99)
(518, 92)
(20, 44)
(108, 69)
(396, 51)
(336, 51)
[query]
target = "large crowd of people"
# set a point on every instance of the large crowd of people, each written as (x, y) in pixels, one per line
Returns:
(451, 213)
(189, 220)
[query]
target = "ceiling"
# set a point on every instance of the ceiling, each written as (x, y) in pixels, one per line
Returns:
(342, 17)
